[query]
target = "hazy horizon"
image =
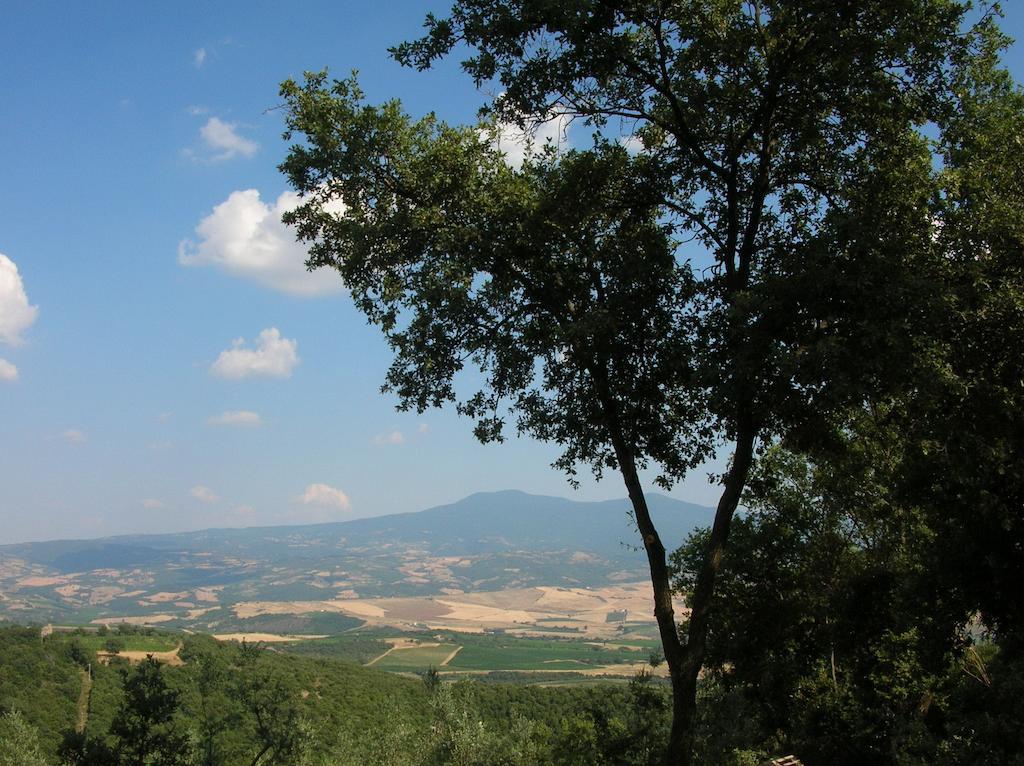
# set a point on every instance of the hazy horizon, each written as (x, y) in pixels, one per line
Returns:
(166, 362)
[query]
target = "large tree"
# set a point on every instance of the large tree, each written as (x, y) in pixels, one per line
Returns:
(757, 269)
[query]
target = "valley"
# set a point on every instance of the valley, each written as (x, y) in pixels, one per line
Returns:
(498, 582)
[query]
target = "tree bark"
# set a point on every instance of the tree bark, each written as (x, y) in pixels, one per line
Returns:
(684, 661)
(684, 686)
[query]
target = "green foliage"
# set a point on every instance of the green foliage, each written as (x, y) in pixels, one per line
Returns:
(985, 711)
(314, 623)
(834, 634)
(40, 681)
(460, 738)
(271, 702)
(351, 648)
(825, 157)
(19, 742)
(147, 728)
(79, 749)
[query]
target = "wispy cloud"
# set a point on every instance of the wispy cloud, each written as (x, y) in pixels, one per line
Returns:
(152, 504)
(199, 57)
(244, 236)
(244, 512)
(236, 418)
(224, 142)
(391, 437)
(74, 436)
(632, 144)
(8, 372)
(273, 357)
(517, 143)
(204, 494)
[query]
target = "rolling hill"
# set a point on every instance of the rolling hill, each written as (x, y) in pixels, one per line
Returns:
(484, 542)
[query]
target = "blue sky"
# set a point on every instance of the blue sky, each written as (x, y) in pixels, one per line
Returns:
(160, 378)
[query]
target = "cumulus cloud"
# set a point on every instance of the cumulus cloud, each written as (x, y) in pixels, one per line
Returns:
(152, 504)
(632, 144)
(517, 143)
(391, 437)
(273, 357)
(326, 496)
(16, 315)
(199, 57)
(244, 236)
(204, 494)
(8, 372)
(237, 418)
(244, 512)
(224, 142)
(74, 436)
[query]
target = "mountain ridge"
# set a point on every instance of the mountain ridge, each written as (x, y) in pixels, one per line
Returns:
(467, 510)
(203, 580)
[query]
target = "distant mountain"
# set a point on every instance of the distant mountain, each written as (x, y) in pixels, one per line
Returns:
(485, 522)
(487, 541)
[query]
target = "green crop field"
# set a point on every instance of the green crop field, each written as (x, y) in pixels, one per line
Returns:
(131, 643)
(416, 658)
(536, 654)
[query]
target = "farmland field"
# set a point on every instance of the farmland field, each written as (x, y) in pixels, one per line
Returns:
(416, 657)
(161, 642)
(538, 654)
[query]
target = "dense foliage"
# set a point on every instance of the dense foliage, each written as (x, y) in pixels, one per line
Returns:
(837, 634)
(241, 704)
(815, 205)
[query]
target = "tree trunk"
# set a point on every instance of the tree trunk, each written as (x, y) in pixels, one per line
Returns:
(684, 661)
(684, 687)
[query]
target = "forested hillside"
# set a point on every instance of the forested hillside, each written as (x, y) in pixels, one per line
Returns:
(227, 703)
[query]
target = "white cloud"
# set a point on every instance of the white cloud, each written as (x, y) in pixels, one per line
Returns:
(74, 436)
(8, 371)
(16, 315)
(199, 57)
(204, 494)
(516, 143)
(273, 357)
(244, 512)
(423, 428)
(223, 139)
(392, 437)
(632, 144)
(153, 504)
(245, 237)
(238, 418)
(325, 495)
(196, 110)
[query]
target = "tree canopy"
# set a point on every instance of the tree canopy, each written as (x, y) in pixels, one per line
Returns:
(780, 251)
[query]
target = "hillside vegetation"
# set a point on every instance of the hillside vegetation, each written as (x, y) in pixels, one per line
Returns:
(234, 704)
(231, 701)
